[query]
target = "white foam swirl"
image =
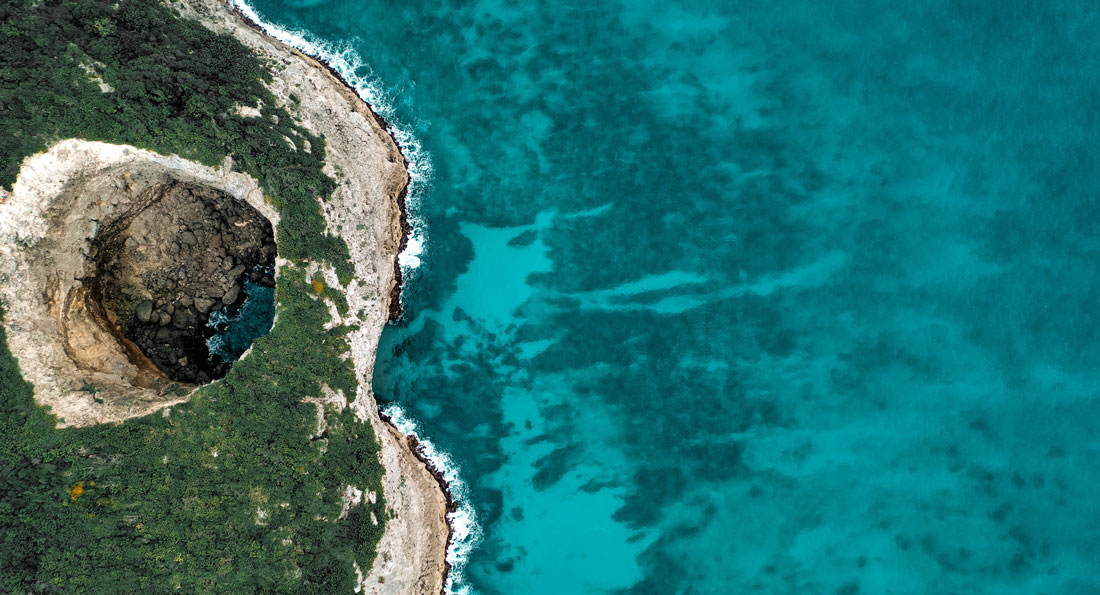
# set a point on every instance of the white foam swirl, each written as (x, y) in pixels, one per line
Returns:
(343, 58)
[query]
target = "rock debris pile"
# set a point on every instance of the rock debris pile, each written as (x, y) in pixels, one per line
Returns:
(163, 269)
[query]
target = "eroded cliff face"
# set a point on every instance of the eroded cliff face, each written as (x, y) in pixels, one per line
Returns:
(179, 255)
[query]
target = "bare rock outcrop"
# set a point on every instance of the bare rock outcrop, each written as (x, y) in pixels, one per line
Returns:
(179, 255)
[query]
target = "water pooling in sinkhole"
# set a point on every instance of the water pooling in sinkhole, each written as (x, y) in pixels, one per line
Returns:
(751, 297)
(235, 328)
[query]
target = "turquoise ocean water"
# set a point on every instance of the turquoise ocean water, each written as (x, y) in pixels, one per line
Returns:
(749, 297)
(237, 329)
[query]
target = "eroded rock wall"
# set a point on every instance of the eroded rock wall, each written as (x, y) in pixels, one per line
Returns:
(175, 258)
(82, 367)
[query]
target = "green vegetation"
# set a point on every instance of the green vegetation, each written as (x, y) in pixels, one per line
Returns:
(176, 89)
(220, 495)
(338, 298)
(234, 491)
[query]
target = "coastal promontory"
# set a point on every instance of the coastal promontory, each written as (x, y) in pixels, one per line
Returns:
(178, 182)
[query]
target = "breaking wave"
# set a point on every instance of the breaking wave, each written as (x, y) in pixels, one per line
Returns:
(465, 532)
(343, 58)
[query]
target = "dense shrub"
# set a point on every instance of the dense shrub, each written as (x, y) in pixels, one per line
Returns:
(176, 89)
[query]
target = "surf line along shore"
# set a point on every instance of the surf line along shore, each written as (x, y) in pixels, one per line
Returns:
(396, 306)
(412, 555)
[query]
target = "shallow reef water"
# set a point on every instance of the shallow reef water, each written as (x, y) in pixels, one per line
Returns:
(776, 297)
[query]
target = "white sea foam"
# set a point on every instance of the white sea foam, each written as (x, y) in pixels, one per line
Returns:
(465, 533)
(343, 58)
(410, 257)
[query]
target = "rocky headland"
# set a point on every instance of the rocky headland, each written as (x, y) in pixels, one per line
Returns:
(114, 258)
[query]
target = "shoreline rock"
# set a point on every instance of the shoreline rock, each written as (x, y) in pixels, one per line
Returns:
(412, 554)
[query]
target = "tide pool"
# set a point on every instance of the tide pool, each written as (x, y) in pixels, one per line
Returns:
(778, 297)
(236, 330)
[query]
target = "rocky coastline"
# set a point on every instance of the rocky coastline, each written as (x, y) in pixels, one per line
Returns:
(57, 219)
(417, 451)
(396, 307)
(412, 554)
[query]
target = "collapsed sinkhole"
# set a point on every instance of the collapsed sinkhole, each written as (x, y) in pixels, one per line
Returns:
(187, 279)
